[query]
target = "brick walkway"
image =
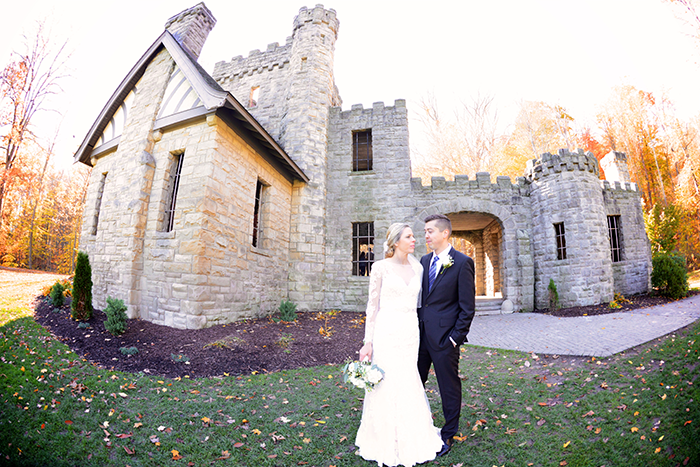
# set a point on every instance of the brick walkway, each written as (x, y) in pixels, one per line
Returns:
(599, 336)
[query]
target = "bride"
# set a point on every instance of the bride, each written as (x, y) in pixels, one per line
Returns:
(397, 426)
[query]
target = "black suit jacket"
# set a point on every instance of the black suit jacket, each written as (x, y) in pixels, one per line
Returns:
(448, 309)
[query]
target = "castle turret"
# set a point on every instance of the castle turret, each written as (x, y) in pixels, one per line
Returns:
(569, 229)
(304, 127)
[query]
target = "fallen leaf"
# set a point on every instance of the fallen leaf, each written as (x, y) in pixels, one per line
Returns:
(176, 455)
(255, 431)
(657, 450)
(224, 455)
(567, 444)
(686, 423)
(138, 424)
(590, 413)
(68, 422)
(206, 419)
(306, 440)
(125, 435)
(129, 451)
(238, 445)
(634, 429)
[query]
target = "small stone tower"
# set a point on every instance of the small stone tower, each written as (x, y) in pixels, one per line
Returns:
(310, 93)
(570, 240)
(614, 165)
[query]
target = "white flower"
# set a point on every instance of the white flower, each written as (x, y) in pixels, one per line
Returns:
(362, 375)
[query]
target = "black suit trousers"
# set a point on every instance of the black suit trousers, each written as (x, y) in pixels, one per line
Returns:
(446, 364)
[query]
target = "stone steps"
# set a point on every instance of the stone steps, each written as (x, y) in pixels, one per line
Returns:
(488, 305)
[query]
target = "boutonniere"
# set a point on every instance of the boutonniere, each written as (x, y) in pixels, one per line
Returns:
(449, 263)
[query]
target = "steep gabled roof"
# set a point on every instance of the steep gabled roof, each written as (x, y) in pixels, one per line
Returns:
(213, 99)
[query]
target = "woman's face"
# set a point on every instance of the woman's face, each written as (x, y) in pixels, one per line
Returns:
(407, 242)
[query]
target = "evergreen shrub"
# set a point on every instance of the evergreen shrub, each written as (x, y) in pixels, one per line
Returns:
(81, 306)
(116, 316)
(56, 295)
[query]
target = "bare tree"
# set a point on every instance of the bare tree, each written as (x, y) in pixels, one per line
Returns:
(25, 85)
(464, 144)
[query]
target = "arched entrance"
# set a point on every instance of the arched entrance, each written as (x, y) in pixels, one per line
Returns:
(479, 235)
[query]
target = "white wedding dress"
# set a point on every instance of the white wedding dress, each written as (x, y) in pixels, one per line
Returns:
(397, 426)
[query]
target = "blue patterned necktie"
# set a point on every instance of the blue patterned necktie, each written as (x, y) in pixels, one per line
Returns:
(431, 272)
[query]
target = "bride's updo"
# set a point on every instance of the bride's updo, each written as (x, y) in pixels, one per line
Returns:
(393, 235)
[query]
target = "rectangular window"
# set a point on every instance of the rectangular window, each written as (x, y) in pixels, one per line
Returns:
(257, 213)
(171, 198)
(98, 204)
(362, 248)
(561, 240)
(615, 245)
(361, 150)
(254, 95)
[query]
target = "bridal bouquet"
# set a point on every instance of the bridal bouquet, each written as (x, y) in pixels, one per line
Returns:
(363, 374)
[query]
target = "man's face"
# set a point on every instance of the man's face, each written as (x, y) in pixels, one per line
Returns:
(434, 237)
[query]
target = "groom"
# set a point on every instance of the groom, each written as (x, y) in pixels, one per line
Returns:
(445, 316)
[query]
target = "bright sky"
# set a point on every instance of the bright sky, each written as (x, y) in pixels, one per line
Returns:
(566, 52)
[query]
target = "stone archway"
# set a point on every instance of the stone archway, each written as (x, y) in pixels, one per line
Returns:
(501, 230)
(479, 236)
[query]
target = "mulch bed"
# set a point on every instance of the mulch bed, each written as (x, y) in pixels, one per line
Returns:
(251, 345)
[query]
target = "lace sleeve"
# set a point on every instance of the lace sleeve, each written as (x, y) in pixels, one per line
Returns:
(375, 286)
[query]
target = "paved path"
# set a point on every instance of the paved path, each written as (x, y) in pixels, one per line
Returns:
(599, 336)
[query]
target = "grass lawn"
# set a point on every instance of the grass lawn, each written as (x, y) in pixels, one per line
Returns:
(633, 409)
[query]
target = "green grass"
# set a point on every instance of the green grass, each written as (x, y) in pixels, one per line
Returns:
(57, 409)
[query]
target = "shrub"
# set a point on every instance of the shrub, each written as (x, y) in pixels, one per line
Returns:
(553, 295)
(288, 311)
(128, 350)
(669, 275)
(83, 325)
(56, 295)
(81, 306)
(116, 316)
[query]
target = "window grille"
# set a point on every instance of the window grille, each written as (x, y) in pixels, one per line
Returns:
(362, 248)
(176, 170)
(561, 240)
(615, 244)
(362, 150)
(257, 213)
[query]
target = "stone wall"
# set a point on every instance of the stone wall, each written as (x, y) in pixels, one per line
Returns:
(381, 195)
(565, 188)
(632, 275)
(206, 270)
(116, 250)
(505, 201)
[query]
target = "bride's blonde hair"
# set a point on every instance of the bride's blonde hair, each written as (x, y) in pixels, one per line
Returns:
(393, 235)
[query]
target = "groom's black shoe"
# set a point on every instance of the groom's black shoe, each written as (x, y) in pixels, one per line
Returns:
(446, 446)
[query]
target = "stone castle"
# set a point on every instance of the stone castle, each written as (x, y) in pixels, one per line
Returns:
(214, 197)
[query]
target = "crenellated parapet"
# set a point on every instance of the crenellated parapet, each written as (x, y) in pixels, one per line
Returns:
(563, 161)
(359, 114)
(619, 186)
(274, 57)
(317, 15)
(461, 183)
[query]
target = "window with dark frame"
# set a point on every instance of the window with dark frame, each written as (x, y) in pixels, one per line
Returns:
(257, 213)
(615, 244)
(561, 240)
(171, 201)
(362, 248)
(98, 204)
(361, 150)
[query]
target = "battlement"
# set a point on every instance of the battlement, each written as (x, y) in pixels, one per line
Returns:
(618, 186)
(562, 161)
(482, 181)
(256, 62)
(317, 15)
(358, 110)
